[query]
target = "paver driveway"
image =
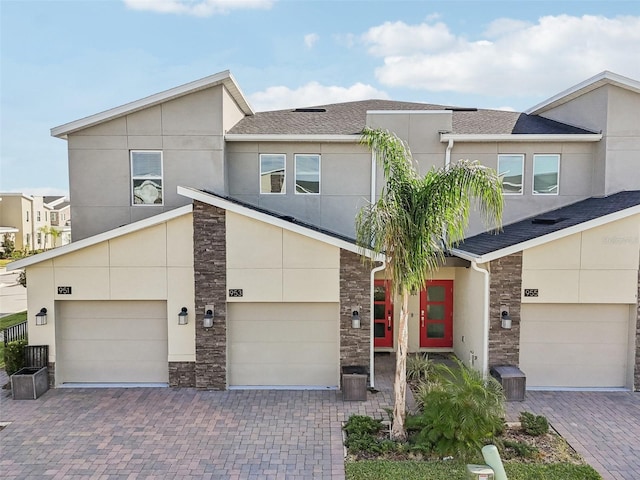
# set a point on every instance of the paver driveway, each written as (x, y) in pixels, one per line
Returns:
(167, 433)
(180, 433)
(604, 427)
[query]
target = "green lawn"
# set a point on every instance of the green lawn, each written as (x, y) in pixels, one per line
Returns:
(7, 322)
(408, 470)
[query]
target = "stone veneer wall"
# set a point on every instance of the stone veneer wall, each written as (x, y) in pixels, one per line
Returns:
(52, 374)
(182, 374)
(505, 289)
(636, 377)
(210, 271)
(355, 291)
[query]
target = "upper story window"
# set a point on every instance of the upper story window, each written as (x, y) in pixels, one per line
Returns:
(546, 172)
(272, 173)
(54, 217)
(307, 173)
(511, 168)
(37, 215)
(27, 215)
(146, 177)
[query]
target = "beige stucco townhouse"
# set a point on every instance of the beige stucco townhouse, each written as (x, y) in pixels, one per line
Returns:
(221, 255)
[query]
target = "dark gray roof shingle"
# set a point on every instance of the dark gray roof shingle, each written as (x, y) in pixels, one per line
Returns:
(569, 216)
(349, 119)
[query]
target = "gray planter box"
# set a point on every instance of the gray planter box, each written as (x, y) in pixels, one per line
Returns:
(29, 383)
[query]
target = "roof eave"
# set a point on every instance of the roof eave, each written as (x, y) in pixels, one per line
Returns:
(508, 137)
(230, 206)
(541, 240)
(223, 78)
(290, 137)
(101, 237)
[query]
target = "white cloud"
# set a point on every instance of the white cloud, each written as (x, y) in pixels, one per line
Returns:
(512, 57)
(280, 97)
(311, 39)
(198, 8)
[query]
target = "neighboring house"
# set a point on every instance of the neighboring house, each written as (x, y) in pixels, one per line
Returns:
(60, 218)
(29, 216)
(248, 218)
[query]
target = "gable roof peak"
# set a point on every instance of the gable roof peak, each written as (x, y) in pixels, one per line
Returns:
(222, 78)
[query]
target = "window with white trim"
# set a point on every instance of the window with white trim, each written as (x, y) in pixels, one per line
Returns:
(272, 173)
(37, 215)
(546, 174)
(307, 172)
(510, 170)
(146, 177)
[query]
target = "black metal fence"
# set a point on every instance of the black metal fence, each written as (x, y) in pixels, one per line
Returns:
(15, 332)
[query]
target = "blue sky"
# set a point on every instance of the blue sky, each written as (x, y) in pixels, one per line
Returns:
(64, 60)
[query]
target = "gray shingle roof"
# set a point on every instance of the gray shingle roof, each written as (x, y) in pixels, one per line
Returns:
(349, 119)
(568, 216)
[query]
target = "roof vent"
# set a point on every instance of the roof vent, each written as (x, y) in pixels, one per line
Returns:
(310, 110)
(548, 220)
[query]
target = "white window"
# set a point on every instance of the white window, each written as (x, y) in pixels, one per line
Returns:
(546, 173)
(27, 215)
(510, 169)
(39, 238)
(146, 177)
(307, 174)
(37, 215)
(272, 173)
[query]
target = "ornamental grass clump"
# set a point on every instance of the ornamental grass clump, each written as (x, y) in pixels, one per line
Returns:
(461, 412)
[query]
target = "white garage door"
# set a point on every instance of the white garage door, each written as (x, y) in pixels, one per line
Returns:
(574, 345)
(291, 344)
(111, 342)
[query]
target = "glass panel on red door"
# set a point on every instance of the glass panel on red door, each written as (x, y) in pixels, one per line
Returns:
(436, 314)
(382, 314)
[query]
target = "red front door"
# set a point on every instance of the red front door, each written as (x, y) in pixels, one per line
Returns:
(436, 314)
(382, 314)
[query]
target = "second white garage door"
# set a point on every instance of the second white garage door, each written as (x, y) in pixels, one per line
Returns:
(283, 344)
(574, 345)
(111, 342)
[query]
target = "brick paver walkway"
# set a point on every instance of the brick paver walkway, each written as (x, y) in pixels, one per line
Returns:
(604, 427)
(186, 433)
(179, 433)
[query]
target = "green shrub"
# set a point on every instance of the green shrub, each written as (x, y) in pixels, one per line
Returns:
(363, 436)
(534, 425)
(460, 411)
(521, 449)
(14, 356)
(419, 367)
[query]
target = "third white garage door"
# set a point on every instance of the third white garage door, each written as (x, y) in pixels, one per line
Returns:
(283, 344)
(574, 345)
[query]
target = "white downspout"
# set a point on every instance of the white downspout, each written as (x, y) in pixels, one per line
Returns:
(371, 353)
(485, 319)
(447, 155)
(373, 176)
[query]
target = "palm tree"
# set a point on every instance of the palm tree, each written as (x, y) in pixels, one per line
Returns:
(414, 222)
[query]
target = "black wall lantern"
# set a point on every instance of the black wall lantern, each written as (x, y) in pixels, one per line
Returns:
(183, 316)
(41, 317)
(506, 319)
(207, 321)
(355, 319)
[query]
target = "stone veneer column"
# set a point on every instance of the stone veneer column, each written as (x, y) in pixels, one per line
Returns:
(505, 289)
(636, 377)
(182, 374)
(355, 291)
(210, 272)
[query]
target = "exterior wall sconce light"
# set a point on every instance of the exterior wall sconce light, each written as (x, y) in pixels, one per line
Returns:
(506, 319)
(41, 317)
(355, 319)
(183, 316)
(207, 321)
